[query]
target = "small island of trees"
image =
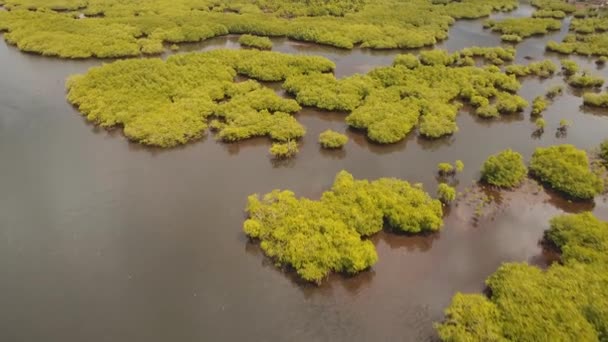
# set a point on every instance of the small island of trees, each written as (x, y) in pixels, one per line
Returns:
(505, 169)
(324, 236)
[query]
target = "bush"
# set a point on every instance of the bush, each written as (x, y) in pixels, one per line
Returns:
(539, 105)
(540, 124)
(543, 69)
(569, 66)
(511, 38)
(459, 165)
(554, 91)
(446, 193)
(567, 302)
(585, 81)
(604, 150)
(262, 43)
(596, 100)
(284, 150)
(445, 169)
(331, 139)
(320, 237)
(505, 169)
(566, 168)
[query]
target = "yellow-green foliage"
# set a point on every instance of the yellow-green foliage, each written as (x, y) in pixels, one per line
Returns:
(390, 101)
(589, 38)
(554, 5)
(604, 150)
(568, 302)
(569, 66)
(114, 28)
(445, 168)
(566, 168)
(332, 139)
(544, 69)
(540, 123)
(554, 91)
(511, 38)
(168, 103)
(585, 80)
(539, 105)
(524, 27)
(505, 169)
(549, 14)
(284, 150)
(319, 237)
(446, 193)
(495, 55)
(459, 165)
(249, 40)
(596, 100)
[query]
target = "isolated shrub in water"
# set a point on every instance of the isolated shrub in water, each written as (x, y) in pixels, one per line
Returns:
(332, 139)
(446, 193)
(284, 150)
(505, 169)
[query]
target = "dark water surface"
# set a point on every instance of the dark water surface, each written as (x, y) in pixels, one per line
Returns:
(104, 240)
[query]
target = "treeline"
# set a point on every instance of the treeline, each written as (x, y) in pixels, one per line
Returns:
(114, 28)
(169, 103)
(319, 237)
(567, 302)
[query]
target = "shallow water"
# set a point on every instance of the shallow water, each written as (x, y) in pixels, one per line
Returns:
(104, 240)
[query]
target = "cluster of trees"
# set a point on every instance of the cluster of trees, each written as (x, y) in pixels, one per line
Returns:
(257, 42)
(319, 237)
(566, 169)
(332, 139)
(543, 69)
(447, 169)
(584, 80)
(389, 102)
(596, 100)
(169, 103)
(554, 5)
(549, 14)
(567, 302)
(284, 150)
(115, 28)
(505, 169)
(589, 36)
(523, 27)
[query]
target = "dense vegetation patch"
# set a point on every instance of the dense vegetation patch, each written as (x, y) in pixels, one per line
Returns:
(319, 237)
(332, 139)
(566, 168)
(389, 102)
(446, 193)
(596, 100)
(588, 36)
(554, 5)
(249, 40)
(523, 27)
(543, 69)
(505, 169)
(284, 150)
(604, 150)
(168, 103)
(568, 302)
(115, 28)
(584, 80)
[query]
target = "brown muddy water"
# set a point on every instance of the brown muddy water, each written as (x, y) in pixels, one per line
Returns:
(104, 240)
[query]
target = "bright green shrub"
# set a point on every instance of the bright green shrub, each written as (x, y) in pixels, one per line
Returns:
(569, 66)
(585, 80)
(332, 139)
(446, 193)
(249, 40)
(540, 124)
(511, 38)
(284, 150)
(505, 169)
(408, 60)
(539, 105)
(554, 5)
(436, 57)
(471, 317)
(459, 165)
(445, 168)
(604, 150)
(543, 69)
(566, 168)
(549, 14)
(554, 91)
(596, 100)
(319, 237)
(509, 103)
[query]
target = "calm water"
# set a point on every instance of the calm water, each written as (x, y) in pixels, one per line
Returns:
(104, 240)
